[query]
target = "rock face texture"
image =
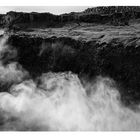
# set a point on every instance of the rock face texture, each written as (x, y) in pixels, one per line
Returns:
(101, 15)
(85, 48)
(113, 59)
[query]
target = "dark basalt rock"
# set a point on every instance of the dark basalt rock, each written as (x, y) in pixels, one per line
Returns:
(113, 59)
(119, 15)
(117, 59)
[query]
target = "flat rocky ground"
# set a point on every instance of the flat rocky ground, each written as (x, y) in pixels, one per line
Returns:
(89, 32)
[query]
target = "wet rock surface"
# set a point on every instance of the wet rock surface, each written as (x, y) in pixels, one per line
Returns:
(84, 45)
(115, 58)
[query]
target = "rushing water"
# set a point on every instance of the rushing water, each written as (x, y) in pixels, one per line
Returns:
(59, 101)
(1, 31)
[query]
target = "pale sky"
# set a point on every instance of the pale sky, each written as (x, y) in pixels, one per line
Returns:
(52, 9)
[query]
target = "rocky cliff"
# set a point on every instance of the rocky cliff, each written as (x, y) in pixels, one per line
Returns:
(80, 45)
(101, 15)
(114, 57)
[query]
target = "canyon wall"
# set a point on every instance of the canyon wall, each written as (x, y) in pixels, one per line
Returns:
(101, 15)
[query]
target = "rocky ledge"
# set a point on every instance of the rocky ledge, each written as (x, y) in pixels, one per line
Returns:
(81, 43)
(88, 50)
(111, 15)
